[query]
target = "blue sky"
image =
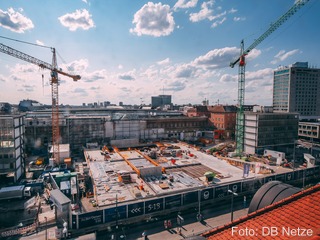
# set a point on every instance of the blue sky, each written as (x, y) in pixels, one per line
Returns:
(130, 50)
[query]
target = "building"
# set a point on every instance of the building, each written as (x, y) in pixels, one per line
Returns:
(310, 131)
(103, 126)
(161, 100)
(223, 118)
(5, 107)
(296, 89)
(12, 157)
(265, 129)
(276, 221)
(198, 111)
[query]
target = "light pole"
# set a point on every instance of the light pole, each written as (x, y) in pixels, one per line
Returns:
(233, 194)
(45, 218)
(294, 154)
(199, 210)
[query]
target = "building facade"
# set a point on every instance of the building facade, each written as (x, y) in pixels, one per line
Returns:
(296, 89)
(310, 131)
(273, 131)
(161, 100)
(223, 118)
(78, 129)
(12, 156)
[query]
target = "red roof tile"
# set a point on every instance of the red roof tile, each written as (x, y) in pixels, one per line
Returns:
(292, 218)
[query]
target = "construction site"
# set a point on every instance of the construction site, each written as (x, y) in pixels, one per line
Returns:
(163, 169)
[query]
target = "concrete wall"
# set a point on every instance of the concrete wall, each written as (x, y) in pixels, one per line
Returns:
(124, 143)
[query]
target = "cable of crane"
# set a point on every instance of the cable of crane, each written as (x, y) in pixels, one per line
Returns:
(34, 44)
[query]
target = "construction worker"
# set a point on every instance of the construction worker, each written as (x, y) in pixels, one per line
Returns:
(144, 235)
(169, 224)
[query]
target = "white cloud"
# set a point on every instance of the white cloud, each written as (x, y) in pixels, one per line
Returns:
(128, 75)
(2, 78)
(228, 78)
(15, 21)
(175, 86)
(283, 55)
(120, 66)
(204, 13)
(217, 58)
(253, 54)
(94, 76)
(153, 19)
(39, 42)
(217, 23)
(232, 10)
(164, 62)
(79, 19)
(77, 66)
(185, 4)
(266, 73)
(81, 92)
(237, 19)
(185, 71)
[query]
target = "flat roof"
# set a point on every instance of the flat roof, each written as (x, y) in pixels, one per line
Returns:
(59, 196)
(116, 174)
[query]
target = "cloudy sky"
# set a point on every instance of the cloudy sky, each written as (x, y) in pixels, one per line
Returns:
(130, 50)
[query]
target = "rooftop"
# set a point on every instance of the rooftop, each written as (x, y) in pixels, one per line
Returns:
(131, 175)
(288, 218)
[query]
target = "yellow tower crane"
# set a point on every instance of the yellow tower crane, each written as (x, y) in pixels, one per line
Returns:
(54, 82)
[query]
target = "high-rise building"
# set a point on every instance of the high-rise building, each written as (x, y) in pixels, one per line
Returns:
(161, 100)
(265, 129)
(12, 157)
(296, 89)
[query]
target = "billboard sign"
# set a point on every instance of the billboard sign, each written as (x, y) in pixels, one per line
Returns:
(206, 194)
(221, 192)
(111, 214)
(136, 209)
(173, 201)
(90, 219)
(155, 205)
(235, 187)
(190, 197)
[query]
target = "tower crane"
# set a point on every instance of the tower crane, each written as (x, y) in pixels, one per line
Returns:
(241, 72)
(54, 82)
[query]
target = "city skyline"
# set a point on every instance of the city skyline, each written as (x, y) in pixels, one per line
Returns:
(129, 51)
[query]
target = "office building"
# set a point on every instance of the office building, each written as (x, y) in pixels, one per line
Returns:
(12, 157)
(296, 89)
(161, 100)
(265, 129)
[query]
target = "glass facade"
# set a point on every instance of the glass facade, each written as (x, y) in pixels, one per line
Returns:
(296, 89)
(11, 148)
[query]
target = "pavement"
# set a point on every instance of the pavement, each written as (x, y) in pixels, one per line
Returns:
(192, 229)
(214, 216)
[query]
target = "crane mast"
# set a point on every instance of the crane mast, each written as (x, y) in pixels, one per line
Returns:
(54, 82)
(241, 73)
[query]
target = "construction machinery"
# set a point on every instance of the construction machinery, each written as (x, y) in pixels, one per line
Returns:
(54, 82)
(241, 73)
